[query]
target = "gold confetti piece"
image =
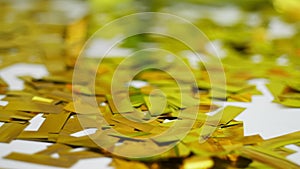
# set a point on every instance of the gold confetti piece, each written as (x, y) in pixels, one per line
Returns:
(3, 86)
(284, 151)
(42, 99)
(294, 85)
(80, 154)
(269, 158)
(84, 141)
(245, 97)
(104, 139)
(73, 125)
(289, 96)
(12, 115)
(291, 102)
(54, 122)
(283, 94)
(33, 107)
(124, 106)
(250, 140)
(19, 115)
(33, 135)
(154, 102)
(130, 135)
(111, 104)
(60, 95)
(10, 131)
(5, 116)
(228, 114)
(172, 135)
(282, 140)
(146, 127)
(257, 164)
(56, 148)
(81, 108)
(57, 79)
(43, 159)
(52, 137)
(182, 150)
(205, 107)
(120, 164)
(198, 163)
(137, 100)
(147, 146)
(18, 93)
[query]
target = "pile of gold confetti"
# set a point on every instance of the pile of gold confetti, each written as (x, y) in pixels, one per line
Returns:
(31, 38)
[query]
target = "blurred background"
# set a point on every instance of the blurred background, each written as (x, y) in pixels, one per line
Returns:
(39, 30)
